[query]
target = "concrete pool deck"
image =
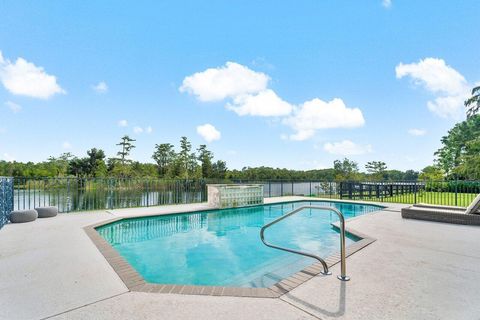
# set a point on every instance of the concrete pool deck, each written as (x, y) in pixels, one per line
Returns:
(415, 270)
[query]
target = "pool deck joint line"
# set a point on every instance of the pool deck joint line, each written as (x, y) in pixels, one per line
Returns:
(135, 282)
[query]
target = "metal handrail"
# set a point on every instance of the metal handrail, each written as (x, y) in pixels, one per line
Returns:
(343, 275)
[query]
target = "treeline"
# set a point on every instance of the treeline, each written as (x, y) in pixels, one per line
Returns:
(186, 164)
(169, 164)
(342, 170)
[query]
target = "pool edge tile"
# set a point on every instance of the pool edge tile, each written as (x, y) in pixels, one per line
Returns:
(135, 282)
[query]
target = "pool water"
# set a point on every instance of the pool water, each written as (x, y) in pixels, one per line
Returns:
(223, 247)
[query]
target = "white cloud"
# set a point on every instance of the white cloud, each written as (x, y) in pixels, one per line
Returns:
(247, 93)
(318, 114)
(265, 104)
(208, 132)
(8, 157)
(15, 108)
(449, 86)
(137, 130)
(449, 106)
(100, 87)
(228, 81)
(347, 148)
(24, 78)
(149, 129)
(417, 132)
(435, 75)
(387, 3)
(123, 123)
(66, 145)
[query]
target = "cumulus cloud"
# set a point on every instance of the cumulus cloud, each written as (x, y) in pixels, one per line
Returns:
(24, 78)
(318, 114)
(447, 84)
(265, 104)
(347, 148)
(137, 130)
(228, 81)
(386, 3)
(122, 123)
(208, 132)
(247, 93)
(15, 108)
(449, 106)
(66, 145)
(100, 87)
(417, 132)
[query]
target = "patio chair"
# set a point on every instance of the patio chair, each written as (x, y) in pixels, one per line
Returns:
(448, 214)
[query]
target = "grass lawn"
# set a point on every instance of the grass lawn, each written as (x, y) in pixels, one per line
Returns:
(440, 198)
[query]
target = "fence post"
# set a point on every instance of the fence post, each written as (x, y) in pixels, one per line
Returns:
(415, 192)
(281, 188)
(148, 195)
(456, 191)
(310, 194)
(269, 188)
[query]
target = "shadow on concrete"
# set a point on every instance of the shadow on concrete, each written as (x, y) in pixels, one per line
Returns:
(340, 311)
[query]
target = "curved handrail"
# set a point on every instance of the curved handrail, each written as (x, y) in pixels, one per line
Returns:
(343, 275)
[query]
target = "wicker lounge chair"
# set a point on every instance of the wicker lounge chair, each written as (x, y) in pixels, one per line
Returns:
(456, 215)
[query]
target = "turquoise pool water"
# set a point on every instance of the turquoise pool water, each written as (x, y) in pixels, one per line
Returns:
(223, 247)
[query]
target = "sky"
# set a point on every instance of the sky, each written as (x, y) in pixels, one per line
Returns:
(294, 84)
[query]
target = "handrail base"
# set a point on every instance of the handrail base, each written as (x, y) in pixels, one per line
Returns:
(345, 278)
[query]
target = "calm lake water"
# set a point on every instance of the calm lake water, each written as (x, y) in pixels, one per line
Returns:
(77, 200)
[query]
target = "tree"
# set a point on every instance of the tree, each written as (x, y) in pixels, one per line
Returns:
(193, 170)
(96, 163)
(184, 156)
(469, 167)
(126, 145)
(121, 167)
(431, 173)
(411, 175)
(164, 156)
(473, 103)
(345, 169)
(459, 148)
(376, 169)
(219, 169)
(59, 166)
(79, 167)
(205, 157)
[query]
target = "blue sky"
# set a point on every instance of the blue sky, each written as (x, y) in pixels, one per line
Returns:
(293, 84)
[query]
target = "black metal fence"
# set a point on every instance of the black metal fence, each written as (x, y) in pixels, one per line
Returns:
(6, 199)
(453, 193)
(80, 194)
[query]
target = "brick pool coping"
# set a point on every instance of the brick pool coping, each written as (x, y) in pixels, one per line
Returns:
(135, 282)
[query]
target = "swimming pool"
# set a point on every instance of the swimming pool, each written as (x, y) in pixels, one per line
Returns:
(223, 247)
